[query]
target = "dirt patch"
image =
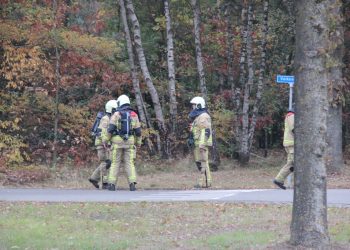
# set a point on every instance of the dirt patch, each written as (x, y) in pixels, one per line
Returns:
(182, 174)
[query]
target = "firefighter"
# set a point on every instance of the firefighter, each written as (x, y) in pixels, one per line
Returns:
(201, 139)
(288, 144)
(124, 132)
(103, 150)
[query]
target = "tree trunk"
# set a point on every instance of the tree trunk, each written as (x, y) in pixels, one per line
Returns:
(134, 77)
(244, 137)
(197, 40)
(346, 71)
(309, 220)
(215, 157)
(261, 74)
(57, 113)
(135, 80)
(236, 91)
(143, 64)
(230, 46)
(221, 82)
(336, 91)
(58, 79)
(335, 161)
(171, 68)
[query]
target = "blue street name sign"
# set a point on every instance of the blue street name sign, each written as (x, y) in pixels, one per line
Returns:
(285, 79)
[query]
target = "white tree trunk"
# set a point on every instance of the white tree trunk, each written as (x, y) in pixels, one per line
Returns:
(236, 90)
(134, 77)
(197, 40)
(261, 74)
(171, 67)
(309, 220)
(143, 64)
(244, 143)
(58, 80)
(215, 157)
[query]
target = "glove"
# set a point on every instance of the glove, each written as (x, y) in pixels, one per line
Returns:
(108, 163)
(190, 142)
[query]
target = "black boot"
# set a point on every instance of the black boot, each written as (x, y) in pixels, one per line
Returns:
(132, 186)
(95, 183)
(111, 187)
(104, 185)
(279, 184)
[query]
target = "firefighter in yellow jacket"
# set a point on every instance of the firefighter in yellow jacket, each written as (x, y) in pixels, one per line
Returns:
(124, 132)
(201, 137)
(288, 143)
(100, 131)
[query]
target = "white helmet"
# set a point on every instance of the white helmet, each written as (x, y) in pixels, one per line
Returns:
(110, 105)
(123, 99)
(199, 102)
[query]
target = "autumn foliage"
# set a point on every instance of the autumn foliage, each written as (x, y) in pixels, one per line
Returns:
(87, 69)
(92, 68)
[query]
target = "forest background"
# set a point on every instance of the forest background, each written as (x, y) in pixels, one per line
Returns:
(61, 61)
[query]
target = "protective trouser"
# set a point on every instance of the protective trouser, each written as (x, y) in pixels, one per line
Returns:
(101, 170)
(286, 169)
(128, 155)
(202, 162)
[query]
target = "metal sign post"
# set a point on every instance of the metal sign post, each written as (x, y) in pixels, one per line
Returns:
(290, 96)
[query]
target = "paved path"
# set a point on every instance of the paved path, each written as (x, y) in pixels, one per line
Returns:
(336, 197)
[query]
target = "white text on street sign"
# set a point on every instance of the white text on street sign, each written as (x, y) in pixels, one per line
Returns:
(285, 79)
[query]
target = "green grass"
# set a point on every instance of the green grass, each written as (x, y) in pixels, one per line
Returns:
(236, 240)
(49, 226)
(186, 225)
(341, 233)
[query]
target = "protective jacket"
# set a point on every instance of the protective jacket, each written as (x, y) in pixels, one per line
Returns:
(201, 128)
(288, 137)
(115, 128)
(103, 136)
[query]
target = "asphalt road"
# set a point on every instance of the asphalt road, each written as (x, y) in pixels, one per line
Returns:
(336, 197)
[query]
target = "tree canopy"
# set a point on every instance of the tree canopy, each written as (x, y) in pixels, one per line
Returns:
(94, 68)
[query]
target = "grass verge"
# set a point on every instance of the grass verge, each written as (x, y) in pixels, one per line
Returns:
(187, 225)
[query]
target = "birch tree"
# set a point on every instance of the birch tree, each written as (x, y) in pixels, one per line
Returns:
(133, 71)
(57, 86)
(171, 67)
(143, 64)
(236, 90)
(313, 49)
(197, 40)
(262, 71)
(215, 157)
(249, 112)
(244, 137)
